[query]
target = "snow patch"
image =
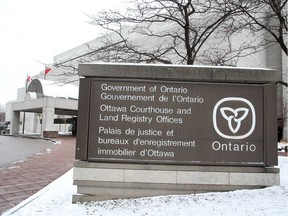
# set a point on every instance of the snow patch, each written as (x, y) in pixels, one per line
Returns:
(56, 199)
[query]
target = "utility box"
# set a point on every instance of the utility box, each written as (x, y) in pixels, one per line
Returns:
(146, 130)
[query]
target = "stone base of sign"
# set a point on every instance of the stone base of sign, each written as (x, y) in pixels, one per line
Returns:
(50, 134)
(103, 181)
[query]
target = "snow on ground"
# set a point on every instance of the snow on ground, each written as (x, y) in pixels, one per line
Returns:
(55, 199)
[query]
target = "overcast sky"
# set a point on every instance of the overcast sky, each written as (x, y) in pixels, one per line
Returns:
(34, 31)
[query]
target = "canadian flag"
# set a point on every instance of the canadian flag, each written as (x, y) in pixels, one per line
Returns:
(28, 81)
(29, 78)
(47, 70)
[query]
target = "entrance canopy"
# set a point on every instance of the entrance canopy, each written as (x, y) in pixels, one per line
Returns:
(46, 88)
(47, 98)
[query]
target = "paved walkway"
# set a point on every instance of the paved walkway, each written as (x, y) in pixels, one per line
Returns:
(16, 148)
(21, 180)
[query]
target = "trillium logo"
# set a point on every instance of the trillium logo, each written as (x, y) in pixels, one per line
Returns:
(234, 118)
(234, 115)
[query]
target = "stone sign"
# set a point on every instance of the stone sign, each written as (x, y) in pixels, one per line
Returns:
(151, 130)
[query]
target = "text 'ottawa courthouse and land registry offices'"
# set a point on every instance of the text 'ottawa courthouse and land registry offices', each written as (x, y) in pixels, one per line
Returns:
(176, 122)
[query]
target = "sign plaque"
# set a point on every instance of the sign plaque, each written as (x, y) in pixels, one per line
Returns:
(164, 122)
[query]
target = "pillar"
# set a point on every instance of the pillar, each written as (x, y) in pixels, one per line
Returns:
(48, 122)
(14, 122)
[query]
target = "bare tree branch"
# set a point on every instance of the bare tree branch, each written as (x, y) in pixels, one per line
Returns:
(194, 22)
(268, 15)
(182, 32)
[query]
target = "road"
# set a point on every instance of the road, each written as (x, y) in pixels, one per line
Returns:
(13, 149)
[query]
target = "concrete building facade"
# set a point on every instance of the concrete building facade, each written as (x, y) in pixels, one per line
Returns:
(66, 72)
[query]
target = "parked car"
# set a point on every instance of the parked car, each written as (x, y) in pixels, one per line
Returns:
(3, 127)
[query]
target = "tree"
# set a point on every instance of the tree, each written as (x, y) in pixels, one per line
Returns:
(2, 113)
(268, 15)
(188, 26)
(182, 32)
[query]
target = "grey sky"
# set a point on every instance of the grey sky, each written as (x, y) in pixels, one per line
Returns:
(33, 31)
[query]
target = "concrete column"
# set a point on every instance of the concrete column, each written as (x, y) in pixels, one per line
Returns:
(48, 118)
(34, 125)
(14, 122)
(277, 59)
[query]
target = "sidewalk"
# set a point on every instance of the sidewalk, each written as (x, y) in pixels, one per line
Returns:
(21, 180)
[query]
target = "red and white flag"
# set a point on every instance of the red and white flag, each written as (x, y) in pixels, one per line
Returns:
(47, 70)
(28, 81)
(29, 78)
